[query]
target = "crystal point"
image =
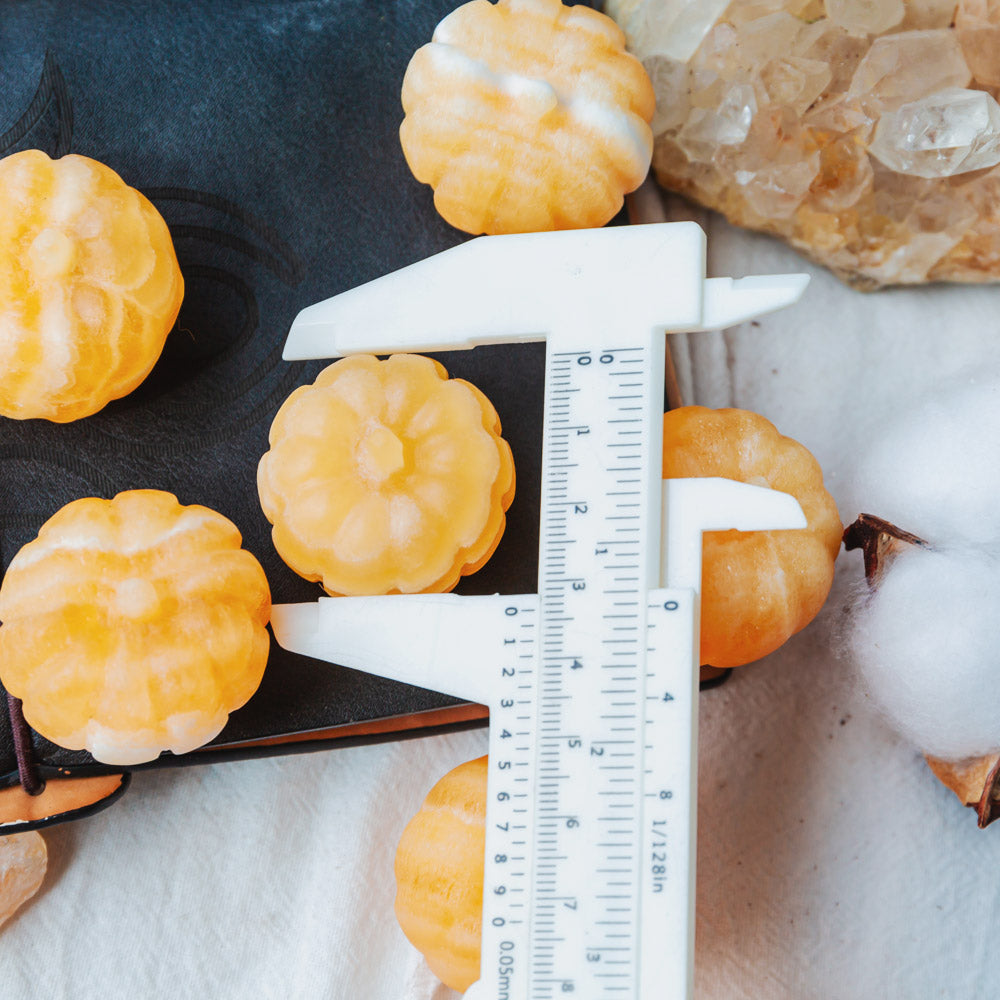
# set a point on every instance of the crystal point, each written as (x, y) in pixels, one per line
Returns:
(726, 125)
(929, 14)
(672, 28)
(901, 68)
(977, 23)
(866, 17)
(951, 132)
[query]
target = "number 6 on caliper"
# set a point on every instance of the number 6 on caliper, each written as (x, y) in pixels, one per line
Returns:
(592, 682)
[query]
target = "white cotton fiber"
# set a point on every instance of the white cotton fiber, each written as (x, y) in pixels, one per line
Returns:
(936, 471)
(927, 643)
(927, 640)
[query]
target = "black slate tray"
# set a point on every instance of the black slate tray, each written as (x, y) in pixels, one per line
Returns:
(266, 134)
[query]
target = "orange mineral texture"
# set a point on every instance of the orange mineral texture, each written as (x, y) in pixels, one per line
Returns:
(23, 861)
(439, 875)
(132, 626)
(526, 116)
(89, 286)
(386, 477)
(761, 587)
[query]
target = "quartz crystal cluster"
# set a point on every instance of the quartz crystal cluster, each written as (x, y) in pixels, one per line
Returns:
(864, 132)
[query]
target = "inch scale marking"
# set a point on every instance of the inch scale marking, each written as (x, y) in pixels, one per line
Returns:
(591, 682)
(588, 638)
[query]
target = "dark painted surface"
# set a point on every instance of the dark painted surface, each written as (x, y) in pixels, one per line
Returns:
(266, 134)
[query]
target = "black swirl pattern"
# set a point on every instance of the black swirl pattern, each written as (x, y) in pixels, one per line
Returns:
(221, 366)
(50, 107)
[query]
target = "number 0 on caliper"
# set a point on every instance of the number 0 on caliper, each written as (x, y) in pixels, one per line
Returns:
(592, 682)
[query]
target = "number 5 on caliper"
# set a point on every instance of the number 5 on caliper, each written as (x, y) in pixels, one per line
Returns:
(592, 682)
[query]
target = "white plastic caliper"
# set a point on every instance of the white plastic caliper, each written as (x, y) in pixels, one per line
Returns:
(592, 682)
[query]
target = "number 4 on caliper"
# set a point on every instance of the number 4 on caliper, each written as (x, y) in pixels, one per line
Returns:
(592, 682)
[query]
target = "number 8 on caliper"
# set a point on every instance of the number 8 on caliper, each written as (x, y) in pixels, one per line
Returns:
(592, 682)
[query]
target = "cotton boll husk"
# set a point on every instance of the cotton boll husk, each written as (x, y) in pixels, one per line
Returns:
(926, 641)
(935, 470)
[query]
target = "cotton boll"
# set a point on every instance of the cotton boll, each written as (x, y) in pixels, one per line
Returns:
(927, 645)
(935, 471)
(927, 639)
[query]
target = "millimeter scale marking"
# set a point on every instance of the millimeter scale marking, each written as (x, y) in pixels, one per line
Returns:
(592, 682)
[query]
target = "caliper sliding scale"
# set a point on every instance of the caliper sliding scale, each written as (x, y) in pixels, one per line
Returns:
(592, 682)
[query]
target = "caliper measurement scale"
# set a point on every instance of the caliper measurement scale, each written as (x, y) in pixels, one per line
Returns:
(592, 682)
(598, 560)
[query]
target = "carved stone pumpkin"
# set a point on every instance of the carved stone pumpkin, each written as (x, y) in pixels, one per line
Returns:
(527, 115)
(758, 587)
(89, 286)
(133, 626)
(386, 477)
(439, 875)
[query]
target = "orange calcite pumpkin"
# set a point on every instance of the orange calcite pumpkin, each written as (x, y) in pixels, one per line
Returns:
(386, 477)
(439, 875)
(527, 115)
(133, 626)
(89, 286)
(760, 587)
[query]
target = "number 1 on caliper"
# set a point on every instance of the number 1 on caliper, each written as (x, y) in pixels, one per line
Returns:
(592, 682)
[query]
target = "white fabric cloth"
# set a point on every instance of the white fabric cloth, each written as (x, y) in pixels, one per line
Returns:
(832, 865)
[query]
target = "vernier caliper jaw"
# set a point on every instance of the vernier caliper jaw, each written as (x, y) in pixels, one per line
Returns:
(617, 609)
(523, 288)
(436, 641)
